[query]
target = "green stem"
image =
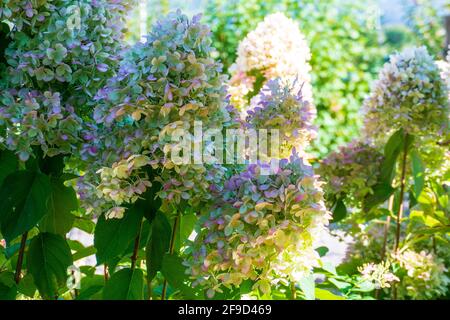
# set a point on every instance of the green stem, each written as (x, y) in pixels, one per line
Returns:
(23, 243)
(386, 227)
(293, 291)
(171, 249)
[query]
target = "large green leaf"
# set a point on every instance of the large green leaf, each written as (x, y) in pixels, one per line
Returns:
(339, 211)
(175, 273)
(158, 244)
(185, 228)
(381, 192)
(113, 236)
(391, 152)
(63, 200)
(8, 288)
(91, 286)
(125, 284)
(48, 258)
(8, 164)
(24, 201)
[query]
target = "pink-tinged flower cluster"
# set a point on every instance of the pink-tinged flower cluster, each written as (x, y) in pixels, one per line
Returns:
(409, 94)
(60, 53)
(163, 85)
(262, 228)
(351, 172)
(425, 275)
(379, 275)
(275, 49)
(278, 107)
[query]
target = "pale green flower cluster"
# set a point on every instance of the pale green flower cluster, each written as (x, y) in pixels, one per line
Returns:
(275, 49)
(409, 94)
(262, 228)
(59, 54)
(425, 275)
(379, 275)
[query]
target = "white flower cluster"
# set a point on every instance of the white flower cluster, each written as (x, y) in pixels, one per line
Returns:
(425, 275)
(275, 49)
(409, 94)
(379, 274)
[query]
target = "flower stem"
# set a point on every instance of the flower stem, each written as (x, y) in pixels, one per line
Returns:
(171, 249)
(23, 243)
(386, 227)
(105, 272)
(293, 291)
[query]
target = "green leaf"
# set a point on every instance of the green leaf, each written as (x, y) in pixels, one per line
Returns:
(158, 244)
(365, 286)
(84, 252)
(27, 286)
(418, 171)
(52, 166)
(329, 267)
(24, 202)
(84, 224)
(8, 164)
(175, 274)
(90, 287)
(125, 284)
(307, 285)
(341, 285)
(391, 152)
(322, 294)
(381, 192)
(185, 228)
(339, 211)
(322, 251)
(48, 258)
(63, 200)
(113, 236)
(8, 288)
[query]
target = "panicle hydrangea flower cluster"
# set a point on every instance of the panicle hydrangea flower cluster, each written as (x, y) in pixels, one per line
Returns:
(351, 172)
(379, 274)
(437, 155)
(275, 49)
(60, 54)
(277, 107)
(262, 229)
(163, 85)
(409, 94)
(425, 276)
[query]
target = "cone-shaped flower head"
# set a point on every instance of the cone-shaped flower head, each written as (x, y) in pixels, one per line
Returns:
(410, 95)
(275, 49)
(262, 228)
